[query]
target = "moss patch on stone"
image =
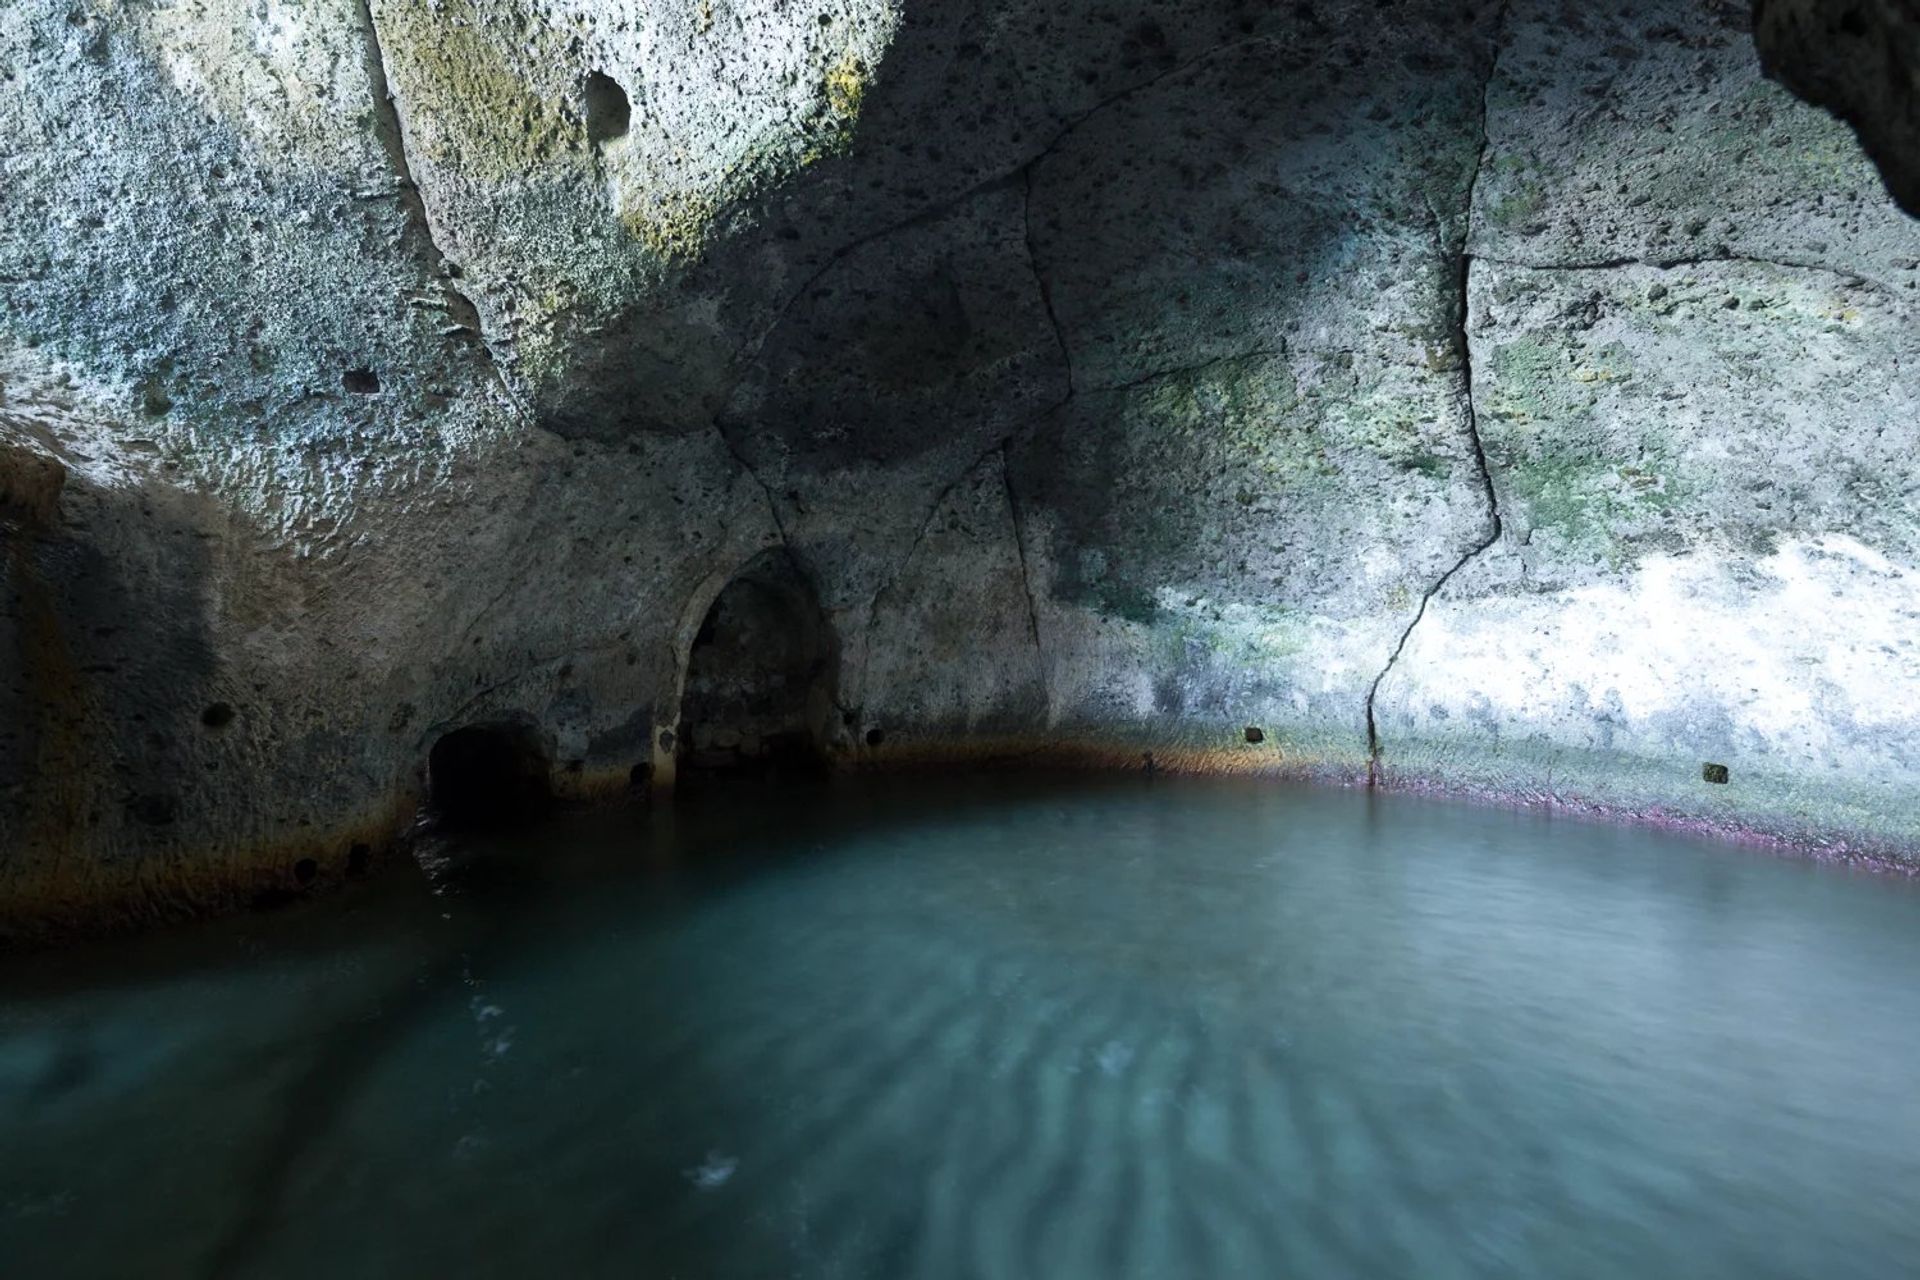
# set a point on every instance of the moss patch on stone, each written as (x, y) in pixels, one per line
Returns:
(1517, 187)
(1392, 416)
(1246, 408)
(673, 225)
(1599, 504)
(846, 86)
(477, 107)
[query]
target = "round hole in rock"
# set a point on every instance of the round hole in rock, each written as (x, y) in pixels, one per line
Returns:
(608, 112)
(305, 870)
(760, 677)
(217, 715)
(360, 382)
(1255, 733)
(488, 774)
(875, 737)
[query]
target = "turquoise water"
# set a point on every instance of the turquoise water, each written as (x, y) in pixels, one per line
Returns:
(990, 1030)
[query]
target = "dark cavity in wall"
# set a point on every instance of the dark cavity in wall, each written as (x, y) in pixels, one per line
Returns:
(760, 677)
(608, 112)
(488, 775)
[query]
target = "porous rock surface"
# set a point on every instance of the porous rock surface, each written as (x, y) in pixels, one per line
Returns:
(1513, 397)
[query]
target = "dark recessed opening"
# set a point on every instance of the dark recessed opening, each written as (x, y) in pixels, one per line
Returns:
(759, 690)
(488, 774)
(640, 777)
(1714, 772)
(360, 382)
(1255, 733)
(875, 737)
(358, 858)
(218, 715)
(305, 870)
(608, 112)
(154, 810)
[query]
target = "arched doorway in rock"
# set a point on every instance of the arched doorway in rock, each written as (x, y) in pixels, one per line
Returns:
(759, 690)
(488, 774)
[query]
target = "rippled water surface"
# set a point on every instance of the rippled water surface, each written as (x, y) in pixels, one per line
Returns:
(988, 1030)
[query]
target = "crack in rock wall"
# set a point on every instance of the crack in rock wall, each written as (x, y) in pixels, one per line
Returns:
(1488, 398)
(1698, 408)
(1461, 308)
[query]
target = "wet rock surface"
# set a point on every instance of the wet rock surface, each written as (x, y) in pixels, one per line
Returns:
(1505, 396)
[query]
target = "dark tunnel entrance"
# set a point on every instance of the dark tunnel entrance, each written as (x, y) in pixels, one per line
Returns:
(488, 774)
(759, 690)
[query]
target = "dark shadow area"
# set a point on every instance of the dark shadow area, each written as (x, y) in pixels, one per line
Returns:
(609, 113)
(487, 774)
(759, 689)
(980, 188)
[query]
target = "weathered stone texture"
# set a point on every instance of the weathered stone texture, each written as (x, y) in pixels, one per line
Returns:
(1518, 396)
(1696, 365)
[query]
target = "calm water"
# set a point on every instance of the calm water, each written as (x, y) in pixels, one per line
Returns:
(1143, 1030)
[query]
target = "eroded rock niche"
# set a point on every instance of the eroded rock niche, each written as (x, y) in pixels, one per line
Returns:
(759, 695)
(486, 774)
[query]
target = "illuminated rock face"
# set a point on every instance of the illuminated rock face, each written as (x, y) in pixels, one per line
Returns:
(1478, 397)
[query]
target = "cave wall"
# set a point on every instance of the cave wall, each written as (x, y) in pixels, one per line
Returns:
(1503, 396)
(1691, 313)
